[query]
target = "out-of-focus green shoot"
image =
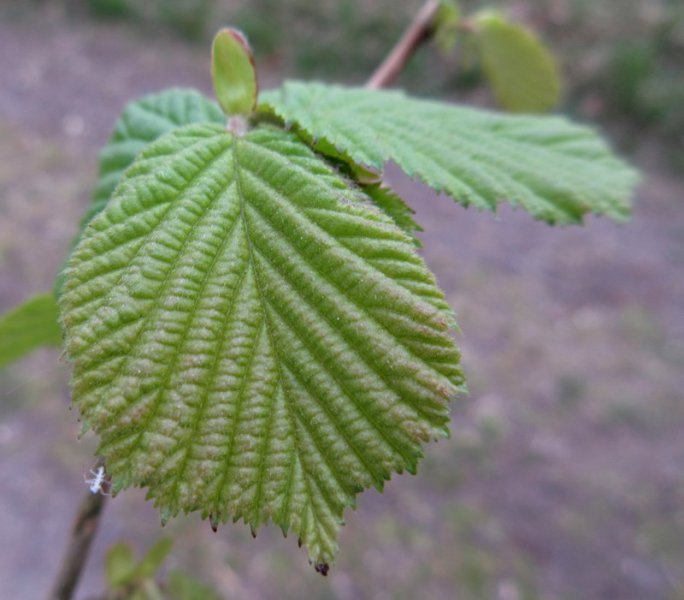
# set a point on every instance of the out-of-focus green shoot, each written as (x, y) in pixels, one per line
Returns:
(519, 68)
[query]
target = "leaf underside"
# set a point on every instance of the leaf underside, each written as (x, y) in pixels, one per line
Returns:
(556, 170)
(251, 337)
(28, 326)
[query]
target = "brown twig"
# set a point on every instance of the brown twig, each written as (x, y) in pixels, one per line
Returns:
(82, 534)
(418, 32)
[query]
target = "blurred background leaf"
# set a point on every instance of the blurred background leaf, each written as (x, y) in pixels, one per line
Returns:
(518, 66)
(447, 21)
(127, 580)
(183, 587)
(154, 558)
(29, 326)
(120, 565)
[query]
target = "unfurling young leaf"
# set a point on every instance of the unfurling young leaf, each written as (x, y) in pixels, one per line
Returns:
(251, 338)
(232, 69)
(30, 325)
(522, 72)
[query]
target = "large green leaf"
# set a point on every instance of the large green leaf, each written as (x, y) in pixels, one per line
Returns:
(29, 326)
(556, 170)
(252, 338)
(522, 72)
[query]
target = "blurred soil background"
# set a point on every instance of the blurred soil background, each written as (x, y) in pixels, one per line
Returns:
(564, 476)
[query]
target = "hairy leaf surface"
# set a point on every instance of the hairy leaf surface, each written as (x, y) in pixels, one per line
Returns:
(556, 170)
(142, 122)
(252, 338)
(29, 326)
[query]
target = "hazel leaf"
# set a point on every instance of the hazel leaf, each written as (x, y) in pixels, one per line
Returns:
(252, 338)
(555, 169)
